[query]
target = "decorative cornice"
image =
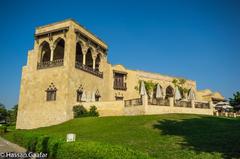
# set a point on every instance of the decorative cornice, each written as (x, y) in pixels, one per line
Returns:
(89, 41)
(121, 72)
(51, 33)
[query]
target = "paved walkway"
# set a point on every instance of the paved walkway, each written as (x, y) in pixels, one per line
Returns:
(6, 146)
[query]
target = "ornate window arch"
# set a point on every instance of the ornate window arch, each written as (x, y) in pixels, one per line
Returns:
(79, 52)
(89, 59)
(79, 93)
(97, 95)
(59, 49)
(45, 52)
(51, 92)
(98, 61)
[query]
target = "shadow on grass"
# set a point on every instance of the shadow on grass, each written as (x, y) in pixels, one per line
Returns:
(205, 134)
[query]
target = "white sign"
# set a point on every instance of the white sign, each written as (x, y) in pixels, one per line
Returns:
(71, 137)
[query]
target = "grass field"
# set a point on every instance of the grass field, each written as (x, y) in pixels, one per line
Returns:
(161, 136)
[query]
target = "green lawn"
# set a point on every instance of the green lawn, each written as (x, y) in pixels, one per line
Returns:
(161, 136)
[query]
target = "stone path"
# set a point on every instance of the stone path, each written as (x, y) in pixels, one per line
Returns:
(6, 146)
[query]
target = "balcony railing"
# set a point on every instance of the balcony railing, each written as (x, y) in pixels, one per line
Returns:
(159, 102)
(118, 86)
(202, 105)
(133, 102)
(50, 64)
(90, 70)
(186, 104)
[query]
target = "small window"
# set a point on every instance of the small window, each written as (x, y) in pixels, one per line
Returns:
(79, 93)
(79, 96)
(97, 96)
(119, 80)
(51, 93)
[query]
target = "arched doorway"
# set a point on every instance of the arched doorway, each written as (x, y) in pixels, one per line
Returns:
(169, 92)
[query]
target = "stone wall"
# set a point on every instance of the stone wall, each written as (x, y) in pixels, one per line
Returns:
(34, 111)
(152, 109)
(111, 108)
(135, 110)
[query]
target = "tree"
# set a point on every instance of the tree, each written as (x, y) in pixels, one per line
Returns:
(3, 113)
(149, 86)
(180, 84)
(235, 101)
(12, 114)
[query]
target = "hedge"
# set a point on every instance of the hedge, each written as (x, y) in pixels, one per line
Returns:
(88, 149)
(59, 149)
(3, 129)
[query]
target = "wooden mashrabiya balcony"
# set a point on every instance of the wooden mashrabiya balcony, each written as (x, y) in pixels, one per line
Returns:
(50, 64)
(90, 70)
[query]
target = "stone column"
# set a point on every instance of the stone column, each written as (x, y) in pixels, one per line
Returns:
(234, 115)
(52, 51)
(84, 51)
(193, 103)
(171, 101)
(94, 57)
(210, 104)
(144, 100)
(145, 103)
(41, 56)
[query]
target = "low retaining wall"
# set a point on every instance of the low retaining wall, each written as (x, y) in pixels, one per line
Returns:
(116, 108)
(111, 108)
(152, 109)
(134, 110)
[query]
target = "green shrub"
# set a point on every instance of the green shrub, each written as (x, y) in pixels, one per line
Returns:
(52, 147)
(3, 129)
(57, 148)
(79, 111)
(86, 150)
(93, 111)
(27, 140)
(42, 144)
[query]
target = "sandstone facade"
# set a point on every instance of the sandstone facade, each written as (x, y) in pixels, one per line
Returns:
(69, 62)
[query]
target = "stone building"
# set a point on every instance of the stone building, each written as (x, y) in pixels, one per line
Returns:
(68, 65)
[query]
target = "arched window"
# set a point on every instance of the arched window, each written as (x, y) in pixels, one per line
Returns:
(59, 49)
(98, 60)
(89, 59)
(51, 92)
(79, 93)
(45, 52)
(169, 92)
(79, 54)
(97, 95)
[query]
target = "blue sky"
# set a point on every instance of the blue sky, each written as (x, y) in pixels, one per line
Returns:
(195, 39)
